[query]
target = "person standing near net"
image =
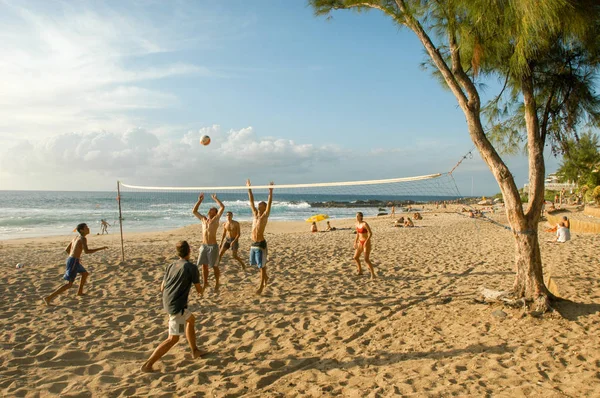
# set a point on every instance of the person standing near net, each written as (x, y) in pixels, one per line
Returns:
(104, 227)
(209, 251)
(231, 236)
(175, 288)
(73, 267)
(258, 249)
(362, 244)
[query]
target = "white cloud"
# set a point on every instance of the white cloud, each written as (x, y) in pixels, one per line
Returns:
(81, 67)
(141, 157)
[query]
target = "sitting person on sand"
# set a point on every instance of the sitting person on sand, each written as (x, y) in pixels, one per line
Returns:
(563, 234)
(329, 227)
(313, 227)
(563, 223)
(399, 222)
(417, 216)
(175, 288)
(408, 223)
(73, 267)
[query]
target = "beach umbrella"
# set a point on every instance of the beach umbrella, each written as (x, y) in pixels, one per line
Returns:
(317, 218)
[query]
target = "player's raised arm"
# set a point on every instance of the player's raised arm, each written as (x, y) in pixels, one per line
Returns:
(221, 205)
(251, 198)
(197, 205)
(268, 211)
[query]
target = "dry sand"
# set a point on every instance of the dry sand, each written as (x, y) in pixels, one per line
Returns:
(319, 330)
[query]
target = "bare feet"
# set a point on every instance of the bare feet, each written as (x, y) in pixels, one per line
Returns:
(147, 368)
(198, 353)
(81, 294)
(47, 301)
(217, 286)
(359, 272)
(259, 291)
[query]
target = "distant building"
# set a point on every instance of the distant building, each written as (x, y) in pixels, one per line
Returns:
(551, 184)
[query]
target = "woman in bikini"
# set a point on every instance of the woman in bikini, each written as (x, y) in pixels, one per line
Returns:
(362, 243)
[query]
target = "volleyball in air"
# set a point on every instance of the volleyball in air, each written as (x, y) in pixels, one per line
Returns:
(205, 140)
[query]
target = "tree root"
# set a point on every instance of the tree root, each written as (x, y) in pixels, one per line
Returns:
(535, 307)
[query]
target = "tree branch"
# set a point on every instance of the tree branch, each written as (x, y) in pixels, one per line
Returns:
(434, 53)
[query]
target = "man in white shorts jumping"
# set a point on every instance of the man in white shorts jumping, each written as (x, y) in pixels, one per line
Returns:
(209, 251)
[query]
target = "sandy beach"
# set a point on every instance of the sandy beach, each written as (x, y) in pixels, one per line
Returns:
(318, 330)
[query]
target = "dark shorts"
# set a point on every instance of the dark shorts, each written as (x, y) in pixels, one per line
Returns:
(258, 254)
(73, 267)
(227, 244)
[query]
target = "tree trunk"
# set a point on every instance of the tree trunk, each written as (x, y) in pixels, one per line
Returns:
(529, 278)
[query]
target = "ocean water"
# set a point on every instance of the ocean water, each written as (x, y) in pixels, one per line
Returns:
(43, 213)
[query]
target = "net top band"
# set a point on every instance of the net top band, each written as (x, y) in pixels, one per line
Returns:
(286, 186)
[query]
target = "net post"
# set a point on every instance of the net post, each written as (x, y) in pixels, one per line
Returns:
(120, 220)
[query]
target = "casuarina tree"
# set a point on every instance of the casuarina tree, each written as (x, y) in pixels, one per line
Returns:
(545, 53)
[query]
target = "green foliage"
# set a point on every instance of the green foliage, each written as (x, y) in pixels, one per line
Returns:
(581, 162)
(596, 195)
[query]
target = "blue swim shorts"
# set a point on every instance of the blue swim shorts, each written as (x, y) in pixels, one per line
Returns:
(73, 267)
(258, 254)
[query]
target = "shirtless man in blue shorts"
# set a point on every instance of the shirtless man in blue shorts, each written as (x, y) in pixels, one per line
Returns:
(209, 251)
(230, 239)
(73, 267)
(258, 249)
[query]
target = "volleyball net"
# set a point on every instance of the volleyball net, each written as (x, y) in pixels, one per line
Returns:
(152, 208)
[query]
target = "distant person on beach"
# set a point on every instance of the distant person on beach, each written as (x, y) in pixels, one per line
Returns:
(329, 227)
(313, 227)
(73, 265)
(393, 211)
(417, 216)
(258, 249)
(399, 222)
(362, 244)
(231, 236)
(408, 223)
(209, 251)
(175, 288)
(104, 227)
(563, 234)
(563, 223)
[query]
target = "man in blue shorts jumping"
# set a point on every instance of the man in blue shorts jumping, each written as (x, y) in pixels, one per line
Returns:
(258, 249)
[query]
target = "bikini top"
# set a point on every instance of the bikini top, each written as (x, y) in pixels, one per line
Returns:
(361, 230)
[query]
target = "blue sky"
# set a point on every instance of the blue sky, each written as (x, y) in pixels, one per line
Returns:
(99, 91)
